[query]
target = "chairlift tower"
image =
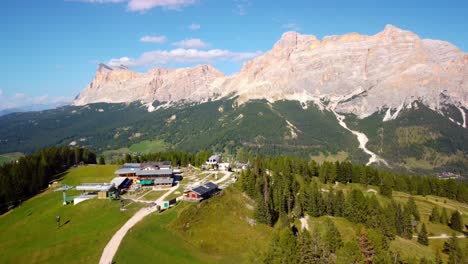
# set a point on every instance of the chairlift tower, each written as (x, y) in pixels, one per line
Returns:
(64, 189)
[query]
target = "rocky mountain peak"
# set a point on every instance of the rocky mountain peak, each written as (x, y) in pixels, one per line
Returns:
(103, 67)
(292, 40)
(354, 73)
(396, 34)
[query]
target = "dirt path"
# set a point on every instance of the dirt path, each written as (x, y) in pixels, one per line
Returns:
(304, 222)
(227, 175)
(112, 246)
(443, 236)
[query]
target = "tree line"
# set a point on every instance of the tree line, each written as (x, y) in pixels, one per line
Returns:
(32, 173)
(288, 188)
(177, 158)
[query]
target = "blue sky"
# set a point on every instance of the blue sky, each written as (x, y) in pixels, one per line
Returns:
(52, 47)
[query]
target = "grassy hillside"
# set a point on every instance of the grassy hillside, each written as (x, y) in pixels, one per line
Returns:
(214, 231)
(29, 233)
(8, 157)
(410, 250)
(149, 146)
(419, 139)
(219, 230)
(257, 126)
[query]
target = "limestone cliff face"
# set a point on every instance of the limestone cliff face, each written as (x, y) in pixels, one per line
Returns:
(356, 73)
(351, 73)
(115, 85)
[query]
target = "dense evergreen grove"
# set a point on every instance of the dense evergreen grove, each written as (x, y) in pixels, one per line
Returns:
(288, 188)
(32, 173)
(177, 158)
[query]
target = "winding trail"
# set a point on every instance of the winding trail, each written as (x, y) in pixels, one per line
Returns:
(442, 236)
(227, 175)
(112, 246)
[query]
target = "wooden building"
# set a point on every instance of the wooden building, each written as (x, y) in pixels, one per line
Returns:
(201, 192)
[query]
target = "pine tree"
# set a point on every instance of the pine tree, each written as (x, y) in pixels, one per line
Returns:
(413, 209)
(287, 246)
(330, 203)
(434, 217)
(365, 247)
(424, 261)
(438, 257)
(331, 238)
(356, 207)
(339, 203)
(454, 251)
(272, 254)
(349, 254)
(305, 253)
(422, 236)
(444, 217)
(406, 224)
(456, 221)
(128, 158)
(317, 249)
(386, 186)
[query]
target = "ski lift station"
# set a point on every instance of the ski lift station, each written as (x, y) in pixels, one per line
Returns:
(92, 190)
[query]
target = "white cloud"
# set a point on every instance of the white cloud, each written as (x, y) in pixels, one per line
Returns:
(241, 7)
(191, 44)
(153, 39)
(162, 57)
(194, 26)
(291, 26)
(144, 5)
(26, 102)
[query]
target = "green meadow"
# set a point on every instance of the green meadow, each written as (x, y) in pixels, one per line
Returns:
(29, 233)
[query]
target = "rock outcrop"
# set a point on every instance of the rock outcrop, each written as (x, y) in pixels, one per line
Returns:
(116, 85)
(351, 73)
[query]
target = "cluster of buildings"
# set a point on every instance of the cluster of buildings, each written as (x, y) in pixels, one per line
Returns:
(148, 173)
(214, 162)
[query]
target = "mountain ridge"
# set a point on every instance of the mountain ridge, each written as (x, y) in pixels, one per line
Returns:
(386, 71)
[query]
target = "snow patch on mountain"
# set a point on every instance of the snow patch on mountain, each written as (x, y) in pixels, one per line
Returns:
(463, 116)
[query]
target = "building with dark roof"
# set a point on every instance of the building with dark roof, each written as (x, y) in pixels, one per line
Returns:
(201, 192)
(148, 173)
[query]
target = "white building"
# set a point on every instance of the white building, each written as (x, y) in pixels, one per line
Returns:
(224, 166)
(214, 160)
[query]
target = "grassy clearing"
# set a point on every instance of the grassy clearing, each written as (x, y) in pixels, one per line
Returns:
(340, 156)
(214, 231)
(29, 233)
(7, 157)
(347, 229)
(411, 250)
(425, 205)
(149, 146)
(115, 154)
(89, 173)
(153, 195)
